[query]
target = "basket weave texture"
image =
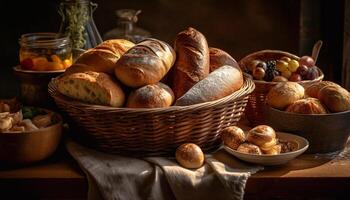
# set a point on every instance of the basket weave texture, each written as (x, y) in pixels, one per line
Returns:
(156, 131)
(257, 107)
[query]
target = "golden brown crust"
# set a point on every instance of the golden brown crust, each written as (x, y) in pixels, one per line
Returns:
(274, 150)
(336, 99)
(151, 96)
(262, 136)
(249, 148)
(146, 63)
(284, 94)
(219, 58)
(307, 106)
(192, 64)
(314, 89)
(117, 46)
(233, 136)
(189, 155)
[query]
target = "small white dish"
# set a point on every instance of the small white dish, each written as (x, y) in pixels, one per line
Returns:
(279, 159)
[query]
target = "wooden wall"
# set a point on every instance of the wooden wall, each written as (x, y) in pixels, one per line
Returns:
(237, 26)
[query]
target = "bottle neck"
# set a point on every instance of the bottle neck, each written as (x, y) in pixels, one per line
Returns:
(126, 26)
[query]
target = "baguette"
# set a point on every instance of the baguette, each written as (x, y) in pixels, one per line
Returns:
(92, 87)
(146, 63)
(220, 83)
(192, 64)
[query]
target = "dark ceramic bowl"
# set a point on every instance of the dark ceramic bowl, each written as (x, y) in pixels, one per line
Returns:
(325, 132)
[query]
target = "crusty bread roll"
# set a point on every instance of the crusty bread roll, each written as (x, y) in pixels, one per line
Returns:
(284, 94)
(104, 57)
(156, 95)
(263, 136)
(189, 155)
(313, 90)
(146, 63)
(92, 87)
(218, 84)
(336, 99)
(192, 63)
(219, 58)
(307, 106)
(274, 150)
(233, 136)
(249, 148)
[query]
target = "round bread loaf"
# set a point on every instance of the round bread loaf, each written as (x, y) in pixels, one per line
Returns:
(284, 94)
(192, 63)
(249, 148)
(336, 99)
(103, 58)
(220, 83)
(219, 58)
(314, 89)
(189, 155)
(146, 63)
(263, 136)
(233, 136)
(157, 95)
(307, 106)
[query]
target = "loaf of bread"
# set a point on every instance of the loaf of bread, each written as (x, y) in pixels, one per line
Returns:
(220, 83)
(336, 99)
(156, 95)
(146, 63)
(219, 58)
(307, 106)
(92, 87)
(103, 57)
(192, 63)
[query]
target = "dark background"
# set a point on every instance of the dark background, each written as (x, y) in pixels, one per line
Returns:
(237, 26)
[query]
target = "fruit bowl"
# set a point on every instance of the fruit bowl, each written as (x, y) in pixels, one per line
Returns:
(256, 107)
(325, 132)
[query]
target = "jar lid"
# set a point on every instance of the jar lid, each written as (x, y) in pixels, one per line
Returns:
(43, 40)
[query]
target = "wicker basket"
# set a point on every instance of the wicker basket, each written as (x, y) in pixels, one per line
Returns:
(256, 107)
(144, 132)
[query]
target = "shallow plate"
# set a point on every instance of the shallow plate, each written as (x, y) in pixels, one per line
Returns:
(19, 69)
(279, 159)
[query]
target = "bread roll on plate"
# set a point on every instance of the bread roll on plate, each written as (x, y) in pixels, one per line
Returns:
(156, 95)
(249, 148)
(146, 63)
(220, 83)
(192, 63)
(263, 136)
(233, 136)
(92, 87)
(219, 58)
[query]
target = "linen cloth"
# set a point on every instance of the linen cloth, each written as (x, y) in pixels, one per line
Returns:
(119, 177)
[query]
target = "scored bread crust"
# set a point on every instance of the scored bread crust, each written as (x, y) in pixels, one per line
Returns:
(146, 63)
(92, 87)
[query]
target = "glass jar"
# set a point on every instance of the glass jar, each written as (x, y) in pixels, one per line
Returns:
(45, 52)
(78, 24)
(126, 28)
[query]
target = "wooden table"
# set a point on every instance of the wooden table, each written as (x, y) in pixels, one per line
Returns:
(308, 176)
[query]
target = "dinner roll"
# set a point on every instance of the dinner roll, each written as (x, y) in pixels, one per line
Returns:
(307, 106)
(274, 150)
(284, 94)
(189, 155)
(263, 136)
(314, 89)
(233, 136)
(336, 99)
(157, 95)
(249, 148)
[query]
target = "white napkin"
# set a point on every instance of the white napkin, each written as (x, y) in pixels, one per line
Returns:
(119, 177)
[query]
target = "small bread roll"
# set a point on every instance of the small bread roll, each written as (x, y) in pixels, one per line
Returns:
(336, 99)
(249, 148)
(158, 95)
(284, 94)
(232, 137)
(263, 136)
(274, 150)
(307, 106)
(189, 155)
(314, 89)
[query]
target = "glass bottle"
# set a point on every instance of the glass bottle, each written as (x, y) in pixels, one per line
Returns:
(126, 28)
(78, 24)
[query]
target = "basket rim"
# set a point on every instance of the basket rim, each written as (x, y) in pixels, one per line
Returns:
(320, 77)
(246, 89)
